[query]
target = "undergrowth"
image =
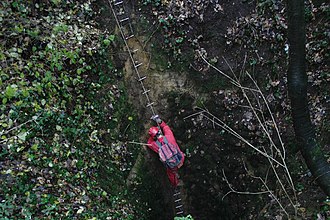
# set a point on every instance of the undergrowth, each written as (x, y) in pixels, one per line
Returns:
(62, 102)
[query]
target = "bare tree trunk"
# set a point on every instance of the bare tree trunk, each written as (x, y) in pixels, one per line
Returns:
(297, 85)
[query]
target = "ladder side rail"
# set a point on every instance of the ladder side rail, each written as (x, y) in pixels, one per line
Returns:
(178, 204)
(131, 57)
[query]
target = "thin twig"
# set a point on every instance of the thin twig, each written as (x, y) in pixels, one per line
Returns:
(223, 125)
(152, 34)
(133, 142)
(272, 144)
(274, 150)
(232, 190)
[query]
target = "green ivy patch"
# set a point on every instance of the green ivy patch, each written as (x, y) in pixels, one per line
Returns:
(61, 101)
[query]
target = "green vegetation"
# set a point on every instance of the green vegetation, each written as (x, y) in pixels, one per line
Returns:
(64, 117)
(153, 2)
(61, 103)
(188, 217)
(172, 34)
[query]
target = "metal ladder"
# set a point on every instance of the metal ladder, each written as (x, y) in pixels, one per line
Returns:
(125, 27)
(179, 211)
(123, 22)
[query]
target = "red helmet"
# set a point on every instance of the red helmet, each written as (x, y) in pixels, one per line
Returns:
(153, 131)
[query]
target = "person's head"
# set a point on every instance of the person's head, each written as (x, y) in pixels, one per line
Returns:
(154, 132)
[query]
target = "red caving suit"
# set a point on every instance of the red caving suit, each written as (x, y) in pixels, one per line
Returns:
(171, 173)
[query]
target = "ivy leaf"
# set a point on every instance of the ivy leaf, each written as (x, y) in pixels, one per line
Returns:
(56, 2)
(50, 164)
(22, 135)
(106, 42)
(34, 147)
(50, 45)
(25, 93)
(80, 210)
(111, 37)
(13, 54)
(11, 91)
(80, 70)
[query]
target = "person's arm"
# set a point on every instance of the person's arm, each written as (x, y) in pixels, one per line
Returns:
(152, 145)
(166, 129)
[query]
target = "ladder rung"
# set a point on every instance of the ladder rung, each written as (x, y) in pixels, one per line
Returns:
(179, 206)
(125, 19)
(179, 213)
(177, 200)
(150, 104)
(129, 37)
(146, 91)
(142, 78)
(137, 65)
(118, 3)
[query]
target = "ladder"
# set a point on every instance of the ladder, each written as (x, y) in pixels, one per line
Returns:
(125, 27)
(179, 211)
(126, 31)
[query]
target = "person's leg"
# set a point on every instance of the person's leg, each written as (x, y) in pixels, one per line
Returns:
(172, 176)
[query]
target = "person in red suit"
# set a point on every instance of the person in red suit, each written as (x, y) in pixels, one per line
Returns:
(160, 135)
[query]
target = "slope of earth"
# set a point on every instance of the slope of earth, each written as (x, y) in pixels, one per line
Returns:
(223, 177)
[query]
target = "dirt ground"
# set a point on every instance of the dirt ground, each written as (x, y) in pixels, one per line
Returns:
(212, 155)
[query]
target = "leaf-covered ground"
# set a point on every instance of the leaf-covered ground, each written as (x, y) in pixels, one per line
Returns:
(64, 107)
(60, 100)
(252, 37)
